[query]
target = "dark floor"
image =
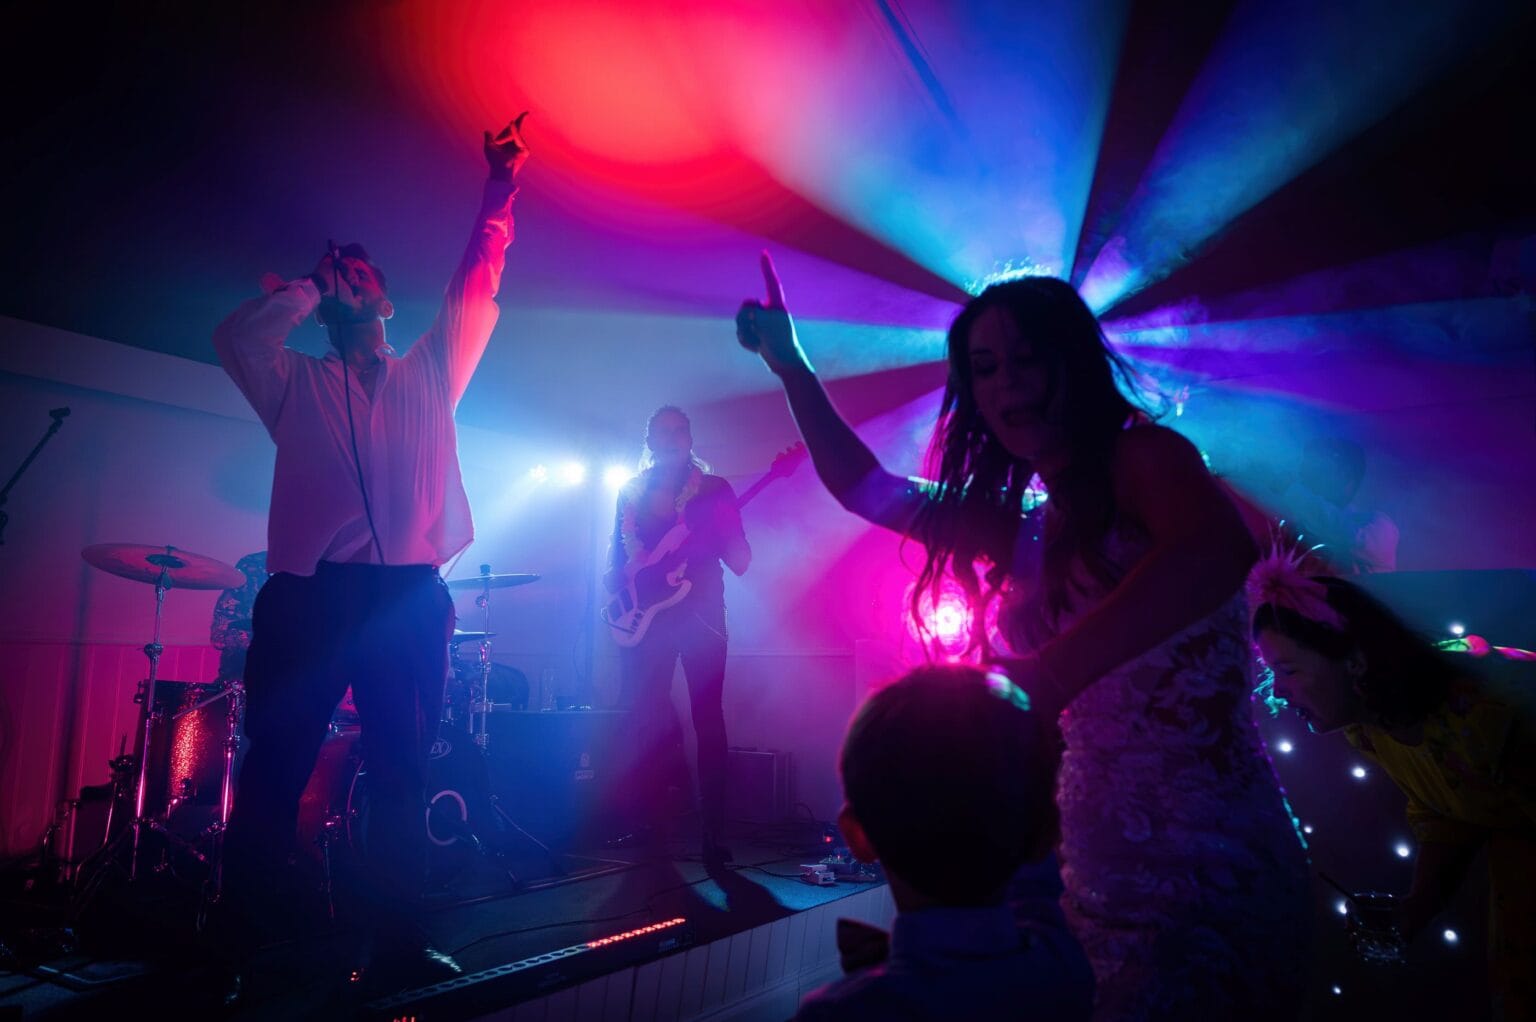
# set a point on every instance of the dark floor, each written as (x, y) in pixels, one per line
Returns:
(134, 947)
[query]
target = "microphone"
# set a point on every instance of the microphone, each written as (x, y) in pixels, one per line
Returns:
(58, 414)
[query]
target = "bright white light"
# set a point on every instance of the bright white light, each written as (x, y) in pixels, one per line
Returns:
(1285, 746)
(946, 621)
(1450, 936)
(572, 473)
(538, 473)
(949, 621)
(1358, 773)
(1341, 907)
(616, 476)
(1306, 828)
(1457, 629)
(1337, 990)
(1402, 850)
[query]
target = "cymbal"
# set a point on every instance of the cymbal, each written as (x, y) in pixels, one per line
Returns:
(459, 636)
(494, 581)
(182, 568)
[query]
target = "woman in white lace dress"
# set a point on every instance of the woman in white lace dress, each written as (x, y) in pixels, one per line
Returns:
(1184, 877)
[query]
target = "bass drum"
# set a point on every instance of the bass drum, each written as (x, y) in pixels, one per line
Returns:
(333, 811)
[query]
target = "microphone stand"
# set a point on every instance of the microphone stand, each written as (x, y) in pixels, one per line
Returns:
(57, 415)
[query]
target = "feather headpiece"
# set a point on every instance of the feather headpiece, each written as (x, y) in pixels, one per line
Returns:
(1278, 579)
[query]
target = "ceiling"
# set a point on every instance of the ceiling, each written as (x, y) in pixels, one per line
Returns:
(1231, 184)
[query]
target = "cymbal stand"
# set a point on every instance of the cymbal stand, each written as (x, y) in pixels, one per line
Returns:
(152, 712)
(134, 770)
(479, 696)
(480, 710)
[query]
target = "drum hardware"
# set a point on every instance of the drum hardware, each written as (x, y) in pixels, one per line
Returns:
(555, 862)
(489, 581)
(335, 832)
(166, 568)
(332, 831)
(479, 706)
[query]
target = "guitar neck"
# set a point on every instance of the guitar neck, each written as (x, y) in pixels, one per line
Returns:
(756, 488)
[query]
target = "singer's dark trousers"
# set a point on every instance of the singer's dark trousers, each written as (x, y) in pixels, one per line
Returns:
(384, 631)
(697, 636)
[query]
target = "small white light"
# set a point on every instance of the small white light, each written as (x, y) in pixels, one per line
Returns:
(1285, 746)
(1359, 773)
(538, 473)
(1341, 907)
(616, 476)
(1457, 629)
(1306, 828)
(1337, 990)
(1450, 936)
(1402, 850)
(572, 473)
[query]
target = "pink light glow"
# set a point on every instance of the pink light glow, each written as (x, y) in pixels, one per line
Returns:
(946, 621)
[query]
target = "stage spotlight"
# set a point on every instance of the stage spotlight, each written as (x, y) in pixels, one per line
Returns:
(572, 473)
(617, 475)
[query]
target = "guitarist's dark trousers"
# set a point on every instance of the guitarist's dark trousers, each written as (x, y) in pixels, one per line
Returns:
(697, 636)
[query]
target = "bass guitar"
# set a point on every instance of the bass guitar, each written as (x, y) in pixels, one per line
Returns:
(656, 579)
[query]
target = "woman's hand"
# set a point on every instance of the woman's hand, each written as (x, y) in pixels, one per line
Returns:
(766, 327)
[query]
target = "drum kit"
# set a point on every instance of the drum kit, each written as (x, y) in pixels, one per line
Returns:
(172, 796)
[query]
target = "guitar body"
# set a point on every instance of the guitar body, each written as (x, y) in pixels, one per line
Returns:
(655, 581)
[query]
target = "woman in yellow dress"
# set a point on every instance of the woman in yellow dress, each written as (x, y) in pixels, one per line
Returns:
(1457, 735)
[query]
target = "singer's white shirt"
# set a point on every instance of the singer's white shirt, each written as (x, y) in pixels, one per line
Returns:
(406, 441)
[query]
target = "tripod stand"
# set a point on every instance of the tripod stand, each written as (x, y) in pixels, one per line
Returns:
(480, 704)
(165, 568)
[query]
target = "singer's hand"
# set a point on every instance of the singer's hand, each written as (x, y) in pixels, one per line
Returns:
(766, 327)
(336, 285)
(506, 151)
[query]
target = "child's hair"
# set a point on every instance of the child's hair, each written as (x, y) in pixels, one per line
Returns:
(952, 778)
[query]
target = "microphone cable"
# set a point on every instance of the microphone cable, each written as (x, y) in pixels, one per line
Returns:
(346, 393)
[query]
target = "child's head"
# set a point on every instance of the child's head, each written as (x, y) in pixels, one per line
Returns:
(948, 779)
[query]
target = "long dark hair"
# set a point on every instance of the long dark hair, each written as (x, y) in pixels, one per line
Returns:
(648, 459)
(969, 464)
(1405, 677)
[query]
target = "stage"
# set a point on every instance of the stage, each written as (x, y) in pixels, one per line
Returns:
(621, 935)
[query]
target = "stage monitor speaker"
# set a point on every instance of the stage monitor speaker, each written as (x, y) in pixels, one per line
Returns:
(759, 782)
(560, 773)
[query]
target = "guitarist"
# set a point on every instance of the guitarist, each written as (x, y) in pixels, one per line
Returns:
(675, 487)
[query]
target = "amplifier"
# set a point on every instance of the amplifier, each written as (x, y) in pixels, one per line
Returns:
(560, 773)
(759, 785)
